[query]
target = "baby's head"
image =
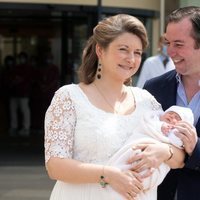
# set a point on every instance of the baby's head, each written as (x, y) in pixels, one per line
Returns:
(176, 113)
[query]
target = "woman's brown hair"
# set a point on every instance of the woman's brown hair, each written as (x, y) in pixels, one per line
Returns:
(103, 34)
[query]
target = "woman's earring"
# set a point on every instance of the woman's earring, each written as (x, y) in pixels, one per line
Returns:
(99, 71)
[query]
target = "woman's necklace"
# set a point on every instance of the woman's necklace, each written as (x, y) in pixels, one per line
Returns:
(116, 110)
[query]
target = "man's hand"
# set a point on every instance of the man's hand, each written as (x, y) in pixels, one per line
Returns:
(188, 135)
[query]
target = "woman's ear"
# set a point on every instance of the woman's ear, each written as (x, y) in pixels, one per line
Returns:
(98, 51)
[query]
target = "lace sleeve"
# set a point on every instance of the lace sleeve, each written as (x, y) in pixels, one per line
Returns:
(60, 120)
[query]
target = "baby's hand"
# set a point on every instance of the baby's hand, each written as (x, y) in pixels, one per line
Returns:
(165, 128)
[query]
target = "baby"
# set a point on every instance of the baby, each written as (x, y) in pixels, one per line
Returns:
(170, 117)
(154, 127)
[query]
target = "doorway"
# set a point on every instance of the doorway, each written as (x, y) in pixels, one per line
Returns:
(62, 34)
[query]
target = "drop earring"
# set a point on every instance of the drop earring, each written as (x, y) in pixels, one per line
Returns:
(99, 71)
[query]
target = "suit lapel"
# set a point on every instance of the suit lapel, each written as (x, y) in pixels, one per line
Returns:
(169, 90)
(198, 127)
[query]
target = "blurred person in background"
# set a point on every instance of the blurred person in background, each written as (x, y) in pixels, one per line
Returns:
(9, 64)
(156, 65)
(20, 80)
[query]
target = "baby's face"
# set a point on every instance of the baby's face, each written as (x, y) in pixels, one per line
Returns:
(170, 117)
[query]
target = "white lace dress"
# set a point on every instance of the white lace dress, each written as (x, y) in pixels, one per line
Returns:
(74, 128)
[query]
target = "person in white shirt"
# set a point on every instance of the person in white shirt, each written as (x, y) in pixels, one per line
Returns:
(155, 65)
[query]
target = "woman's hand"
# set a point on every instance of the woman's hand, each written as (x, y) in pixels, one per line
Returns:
(154, 154)
(127, 183)
(151, 156)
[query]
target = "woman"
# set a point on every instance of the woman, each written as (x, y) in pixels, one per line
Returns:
(87, 123)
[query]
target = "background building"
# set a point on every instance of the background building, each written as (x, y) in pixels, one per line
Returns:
(60, 28)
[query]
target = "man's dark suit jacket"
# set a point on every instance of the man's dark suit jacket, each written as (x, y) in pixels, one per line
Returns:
(187, 179)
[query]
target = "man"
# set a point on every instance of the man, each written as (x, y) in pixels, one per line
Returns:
(182, 87)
